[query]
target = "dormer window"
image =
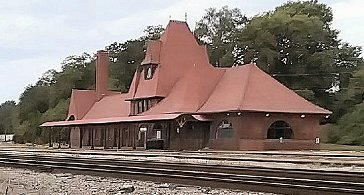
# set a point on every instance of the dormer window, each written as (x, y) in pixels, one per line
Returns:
(149, 71)
(142, 105)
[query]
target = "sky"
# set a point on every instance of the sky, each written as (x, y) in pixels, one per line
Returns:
(36, 35)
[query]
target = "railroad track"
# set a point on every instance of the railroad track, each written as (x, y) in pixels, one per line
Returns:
(296, 181)
(321, 159)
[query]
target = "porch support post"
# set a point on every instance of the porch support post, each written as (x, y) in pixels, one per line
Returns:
(81, 136)
(105, 137)
(117, 136)
(59, 137)
(134, 137)
(145, 140)
(92, 138)
(121, 134)
(50, 136)
(69, 137)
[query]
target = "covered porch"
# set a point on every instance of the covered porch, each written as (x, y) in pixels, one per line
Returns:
(168, 131)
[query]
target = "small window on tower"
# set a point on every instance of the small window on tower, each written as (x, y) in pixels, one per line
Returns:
(149, 71)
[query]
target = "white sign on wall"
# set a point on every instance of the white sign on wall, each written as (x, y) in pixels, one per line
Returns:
(143, 129)
(9, 137)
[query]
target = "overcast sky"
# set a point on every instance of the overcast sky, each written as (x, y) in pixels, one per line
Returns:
(36, 35)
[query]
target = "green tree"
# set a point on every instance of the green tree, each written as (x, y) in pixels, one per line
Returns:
(218, 29)
(8, 111)
(296, 44)
(152, 32)
(127, 56)
(58, 113)
(77, 72)
(349, 128)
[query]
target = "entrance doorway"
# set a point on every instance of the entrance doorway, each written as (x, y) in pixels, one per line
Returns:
(280, 129)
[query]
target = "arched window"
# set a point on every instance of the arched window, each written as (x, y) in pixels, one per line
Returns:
(280, 129)
(71, 118)
(224, 130)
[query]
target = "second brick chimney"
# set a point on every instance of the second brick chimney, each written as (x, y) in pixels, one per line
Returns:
(102, 74)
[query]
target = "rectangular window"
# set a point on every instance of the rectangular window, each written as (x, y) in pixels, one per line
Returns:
(140, 107)
(135, 108)
(159, 134)
(145, 102)
(149, 103)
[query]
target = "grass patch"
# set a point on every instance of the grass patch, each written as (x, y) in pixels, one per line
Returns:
(338, 147)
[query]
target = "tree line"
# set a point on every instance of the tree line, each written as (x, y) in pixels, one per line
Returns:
(295, 43)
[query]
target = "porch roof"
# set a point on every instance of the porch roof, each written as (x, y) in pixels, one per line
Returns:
(138, 118)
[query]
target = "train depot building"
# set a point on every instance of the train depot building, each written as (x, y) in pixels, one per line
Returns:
(177, 100)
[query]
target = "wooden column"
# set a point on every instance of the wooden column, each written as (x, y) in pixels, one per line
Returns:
(168, 129)
(118, 137)
(121, 136)
(50, 136)
(69, 137)
(105, 137)
(134, 141)
(59, 137)
(92, 138)
(81, 136)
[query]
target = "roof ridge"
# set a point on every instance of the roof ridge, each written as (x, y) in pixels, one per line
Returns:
(246, 85)
(212, 91)
(157, 76)
(88, 111)
(163, 99)
(137, 78)
(72, 103)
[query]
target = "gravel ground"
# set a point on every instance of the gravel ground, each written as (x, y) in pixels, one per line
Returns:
(29, 182)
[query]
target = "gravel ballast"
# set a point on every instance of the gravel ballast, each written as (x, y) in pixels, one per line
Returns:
(30, 182)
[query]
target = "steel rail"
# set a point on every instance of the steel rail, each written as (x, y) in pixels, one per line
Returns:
(272, 181)
(264, 171)
(270, 153)
(198, 165)
(217, 174)
(217, 158)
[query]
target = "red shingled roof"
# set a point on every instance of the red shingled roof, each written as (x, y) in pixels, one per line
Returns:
(190, 92)
(109, 106)
(248, 88)
(110, 120)
(81, 102)
(152, 55)
(179, 51)
(156, 117)
(189, 84)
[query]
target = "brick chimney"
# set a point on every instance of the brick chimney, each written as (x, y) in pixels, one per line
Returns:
(102, 73)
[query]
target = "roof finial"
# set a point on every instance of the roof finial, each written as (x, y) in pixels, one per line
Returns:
(170, 16)
(186, 17)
